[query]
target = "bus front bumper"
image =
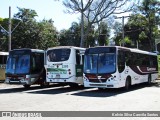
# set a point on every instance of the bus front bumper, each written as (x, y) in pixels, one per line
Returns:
(21, 82)
(113, 84)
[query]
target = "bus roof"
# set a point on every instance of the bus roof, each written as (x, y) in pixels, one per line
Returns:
(131, 50)
(137, 50)
(58, 47)
(32, 50)
(4, 53)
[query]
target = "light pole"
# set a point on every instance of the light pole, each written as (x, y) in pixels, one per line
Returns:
(122, 27)
(9, 32)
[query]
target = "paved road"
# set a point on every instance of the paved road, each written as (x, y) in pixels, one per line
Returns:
(63, 98)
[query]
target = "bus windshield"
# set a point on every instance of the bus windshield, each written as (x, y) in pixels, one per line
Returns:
(57, 55)
(18, 64)
(100, 62)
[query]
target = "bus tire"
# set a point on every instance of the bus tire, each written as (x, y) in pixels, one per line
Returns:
(26, 86)
(101, 89)
(149, 80)
(44, 84)
(127, 84)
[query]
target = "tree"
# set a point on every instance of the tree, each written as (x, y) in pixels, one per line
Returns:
(70, 37)
(4, 34)
(117, 33)
(25, 14)
(30, 33)
(142, 26)
(94, 11)
(47, 35)
(151, 10)
(135, 29)
(103, 33)
(78, 6)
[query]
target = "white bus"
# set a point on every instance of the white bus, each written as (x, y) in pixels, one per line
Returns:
(64, 64)
(26, 67)
(3, 59)
(115, 67)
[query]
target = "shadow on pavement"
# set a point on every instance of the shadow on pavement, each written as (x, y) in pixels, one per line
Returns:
(20, 88)
(79, 91)
(60, 90)
(111, 91)
(90, 92)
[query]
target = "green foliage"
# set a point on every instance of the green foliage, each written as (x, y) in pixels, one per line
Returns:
(25, 14)
(3, 35)
(142, 26)
(29, 33)
(1, 19)
(150, 9)
(136, 30)
(70, 37)
(47, 34)
(142, 36)
(127, 40)
(103, 33)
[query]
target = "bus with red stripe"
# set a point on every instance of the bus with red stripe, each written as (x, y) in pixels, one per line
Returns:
(116, 66)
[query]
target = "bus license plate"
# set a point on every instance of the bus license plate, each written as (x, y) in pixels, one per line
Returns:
(57, 76)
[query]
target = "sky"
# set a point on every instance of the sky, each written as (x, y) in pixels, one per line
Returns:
(46, 9)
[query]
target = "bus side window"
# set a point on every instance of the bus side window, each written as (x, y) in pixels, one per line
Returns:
(121, 61)
(37, 62)
(153, 61)
(78, 57)
(3, 59)
(33, 63)
(82, 59)
(128, 58)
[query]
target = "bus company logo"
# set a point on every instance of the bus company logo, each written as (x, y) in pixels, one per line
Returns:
(99, 77)
(151, 69)
(6, 114)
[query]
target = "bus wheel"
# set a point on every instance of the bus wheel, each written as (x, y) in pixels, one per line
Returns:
(44, 83)
(127, 84)
(149, 80)
(101, 89)
(73, 85)
(27, 86)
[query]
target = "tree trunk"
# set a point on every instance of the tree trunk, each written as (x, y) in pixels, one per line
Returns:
(82, 30)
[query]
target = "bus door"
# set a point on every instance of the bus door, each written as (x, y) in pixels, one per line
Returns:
(79, 65)
(121, 63)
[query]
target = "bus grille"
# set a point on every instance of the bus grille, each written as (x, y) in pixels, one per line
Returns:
(97, 80)
(13, 79)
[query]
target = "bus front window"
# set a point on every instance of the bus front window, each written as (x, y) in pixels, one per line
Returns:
(91, 63)
(106, 63)
(99, 63)
(18, 64)
(57, 55)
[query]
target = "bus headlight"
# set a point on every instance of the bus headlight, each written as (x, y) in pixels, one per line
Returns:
(85, 78)
(111, 79)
